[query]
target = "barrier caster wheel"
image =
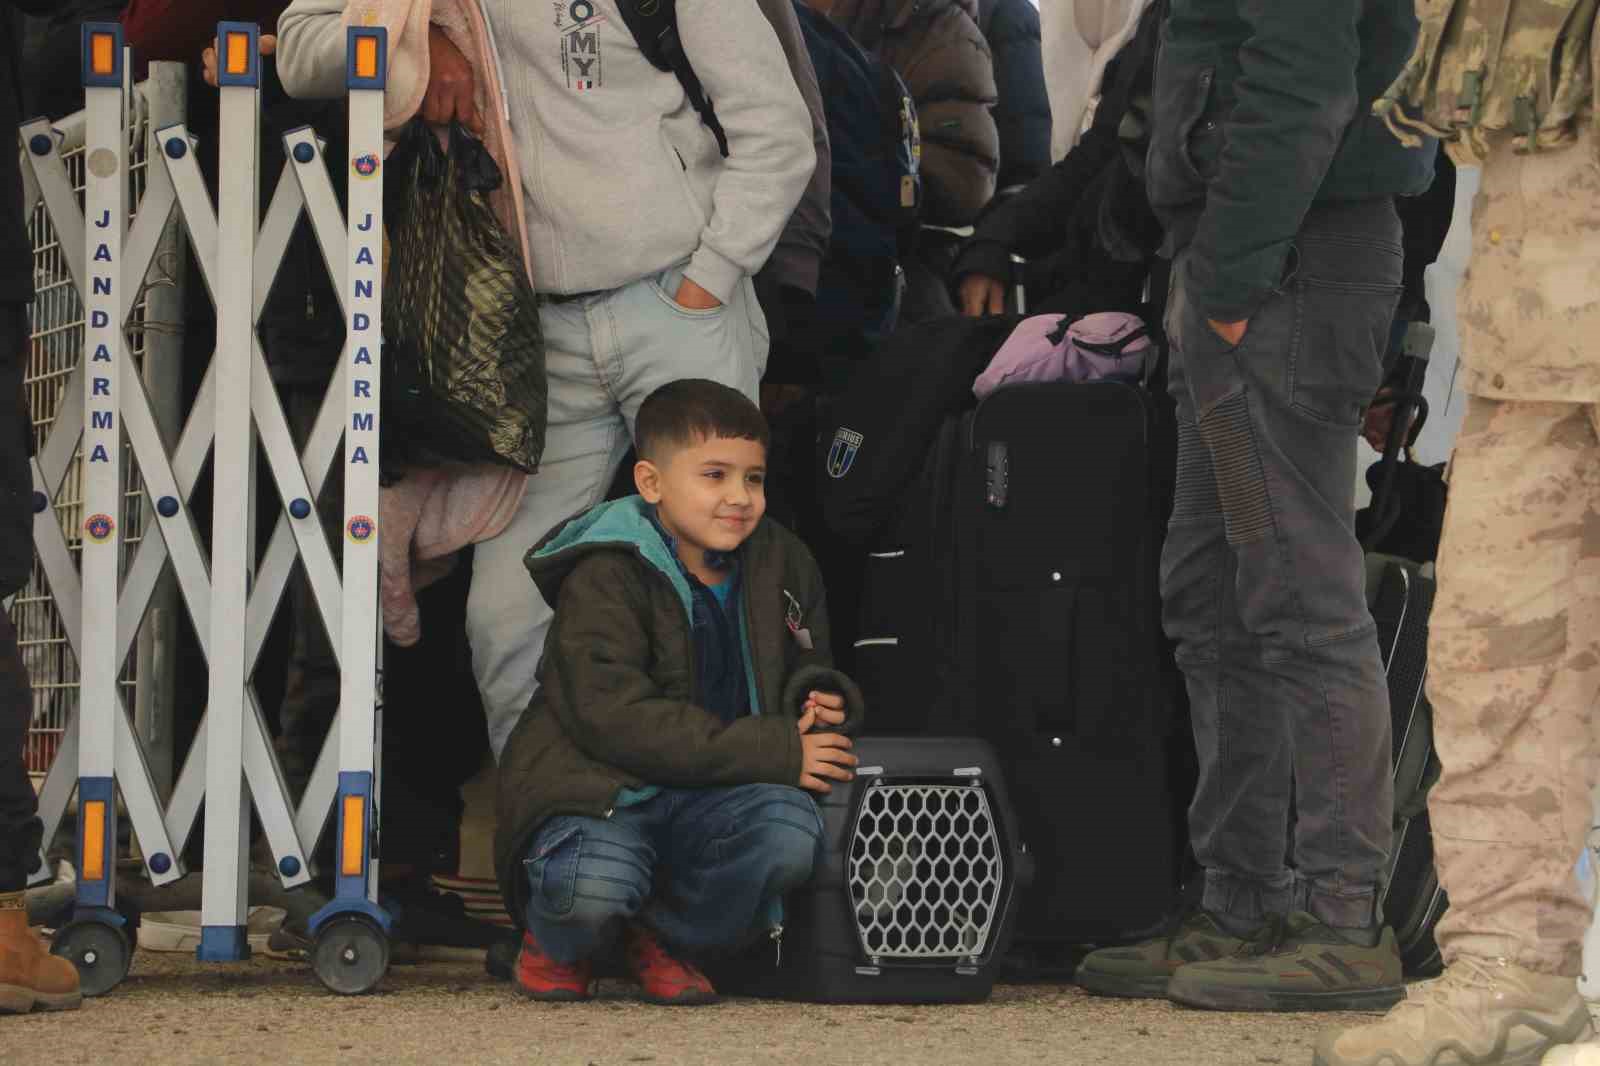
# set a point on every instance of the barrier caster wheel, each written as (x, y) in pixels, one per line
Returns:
(102, 954)
(351, 955)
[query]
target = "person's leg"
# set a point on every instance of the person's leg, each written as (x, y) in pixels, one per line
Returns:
(19, 823)
(1513, 676)
(1514, 673)
(30, 978)
(586, 878)
(1278, 415)
(1238, 818)
(1281, 429)
(729, 856)
(507, 618)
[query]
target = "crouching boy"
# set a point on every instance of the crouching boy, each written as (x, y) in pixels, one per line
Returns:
(657, 785)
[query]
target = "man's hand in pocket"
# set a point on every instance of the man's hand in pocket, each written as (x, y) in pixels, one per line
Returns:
(695, 298)
(1231, 332)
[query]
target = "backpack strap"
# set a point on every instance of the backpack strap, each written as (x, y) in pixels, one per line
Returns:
(654, 25)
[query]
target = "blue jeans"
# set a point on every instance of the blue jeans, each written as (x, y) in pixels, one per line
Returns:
(1263, 581)
(706, 868)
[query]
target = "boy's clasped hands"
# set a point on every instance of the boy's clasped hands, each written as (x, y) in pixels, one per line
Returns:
(825, 754)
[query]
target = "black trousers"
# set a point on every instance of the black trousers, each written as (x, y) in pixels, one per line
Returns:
(19, 822)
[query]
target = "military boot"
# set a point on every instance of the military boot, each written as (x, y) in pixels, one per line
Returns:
(1483, 1012)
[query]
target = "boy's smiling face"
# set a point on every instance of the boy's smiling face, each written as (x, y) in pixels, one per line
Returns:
(709, 495)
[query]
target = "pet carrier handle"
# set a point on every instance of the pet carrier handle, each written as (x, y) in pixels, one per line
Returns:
(814, 678)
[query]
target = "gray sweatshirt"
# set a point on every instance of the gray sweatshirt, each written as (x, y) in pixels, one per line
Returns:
(620, 177)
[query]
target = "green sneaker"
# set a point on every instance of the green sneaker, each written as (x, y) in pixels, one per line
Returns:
(1142, 971)
(1296, 964)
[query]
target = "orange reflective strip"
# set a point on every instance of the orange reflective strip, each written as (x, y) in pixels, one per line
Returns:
(351, 849)
(238, 53)
(366, 56)
(102, 53)
(94, 840)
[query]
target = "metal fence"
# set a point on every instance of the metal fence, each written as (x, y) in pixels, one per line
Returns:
(56, 345)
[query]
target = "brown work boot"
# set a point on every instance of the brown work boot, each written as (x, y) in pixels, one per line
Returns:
(30, 977)
(1481, 1011)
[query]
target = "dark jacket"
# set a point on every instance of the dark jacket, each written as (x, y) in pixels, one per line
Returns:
(1084, 225)
(1263, 109)
(797, 260)
(936, 46)
(616, 707)
(1023, 114)
(16, 250)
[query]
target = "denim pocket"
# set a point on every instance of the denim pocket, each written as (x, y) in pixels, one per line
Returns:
(553, 872)
(1345, 294)
(665, 286)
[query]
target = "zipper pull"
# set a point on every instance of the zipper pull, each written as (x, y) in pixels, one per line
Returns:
(777, 943)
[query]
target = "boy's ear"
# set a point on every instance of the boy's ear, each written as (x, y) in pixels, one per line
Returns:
(647, 479)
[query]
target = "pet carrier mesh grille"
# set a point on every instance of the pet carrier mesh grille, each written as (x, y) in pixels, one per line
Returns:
(925, 871)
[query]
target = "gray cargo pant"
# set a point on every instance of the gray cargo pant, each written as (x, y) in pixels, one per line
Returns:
(1262, 579)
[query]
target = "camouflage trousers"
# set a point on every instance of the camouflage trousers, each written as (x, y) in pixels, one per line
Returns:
(1514, 655)
(1514, 673)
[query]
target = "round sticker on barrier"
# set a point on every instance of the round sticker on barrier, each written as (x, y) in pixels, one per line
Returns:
(361, 528)
(366, 165)
(99, 527)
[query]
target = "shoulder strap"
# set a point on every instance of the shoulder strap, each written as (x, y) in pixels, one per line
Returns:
(654, 25)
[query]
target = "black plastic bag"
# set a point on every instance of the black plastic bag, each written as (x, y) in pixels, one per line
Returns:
(463, 352)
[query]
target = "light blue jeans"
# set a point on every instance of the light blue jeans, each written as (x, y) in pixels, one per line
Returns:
(604, 355)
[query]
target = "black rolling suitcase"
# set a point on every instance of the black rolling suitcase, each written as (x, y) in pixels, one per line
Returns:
(1061, 502)
(1401, 599)
(915, 896)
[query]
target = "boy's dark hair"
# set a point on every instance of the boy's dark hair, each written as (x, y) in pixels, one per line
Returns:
(692, 410)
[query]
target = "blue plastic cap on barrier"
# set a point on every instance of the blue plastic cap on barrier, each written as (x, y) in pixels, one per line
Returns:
(366, 57)
(101, 54)
(304, 153)
(300, 508)
(167, 506)
(41, 503)
(39, 144)
(289, 866)
(238, 54)
(176, 147)
(160, 863)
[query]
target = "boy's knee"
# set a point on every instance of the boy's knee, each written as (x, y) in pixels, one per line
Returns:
(582, 879)
(787, 837)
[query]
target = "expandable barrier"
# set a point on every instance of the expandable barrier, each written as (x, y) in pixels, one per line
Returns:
(104, 598)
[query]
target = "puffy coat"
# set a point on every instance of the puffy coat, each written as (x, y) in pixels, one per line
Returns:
(938, 49)
(1023, 114)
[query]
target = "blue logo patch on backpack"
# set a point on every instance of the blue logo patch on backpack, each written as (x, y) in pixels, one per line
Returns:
(842, 454)
(877, 178)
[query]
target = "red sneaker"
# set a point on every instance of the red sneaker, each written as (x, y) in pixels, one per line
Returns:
(540, 977)
(663, 979)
